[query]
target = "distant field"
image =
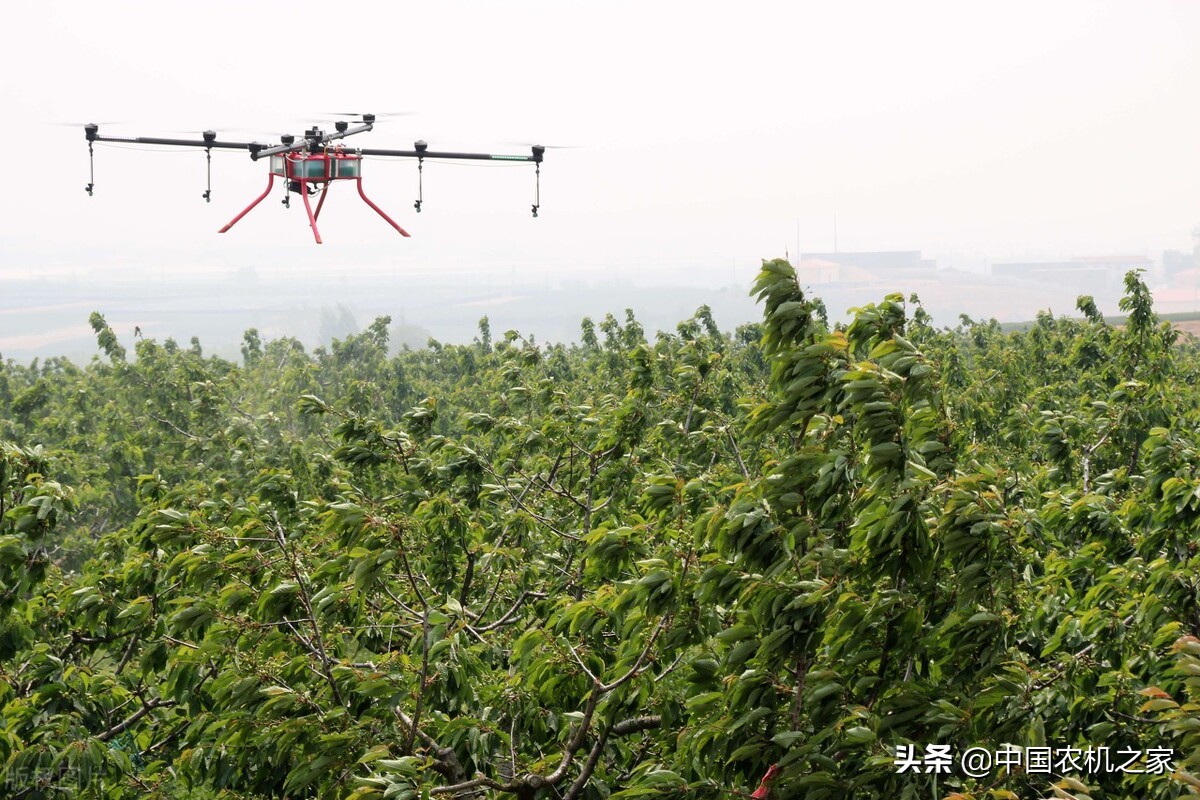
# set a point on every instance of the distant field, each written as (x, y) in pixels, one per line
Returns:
(1184, 321)
(37, 341)
(1191, 326)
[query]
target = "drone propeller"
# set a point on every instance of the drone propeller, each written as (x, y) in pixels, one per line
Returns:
(82, 124)
(223, 129)
(546, 146)
(377, 115)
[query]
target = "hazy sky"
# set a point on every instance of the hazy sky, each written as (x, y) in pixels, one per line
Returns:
(704, 134)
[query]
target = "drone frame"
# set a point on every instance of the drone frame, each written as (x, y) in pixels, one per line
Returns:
(311, 161)
(321, 169)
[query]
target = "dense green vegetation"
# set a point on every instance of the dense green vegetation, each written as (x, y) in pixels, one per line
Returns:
(632, 567)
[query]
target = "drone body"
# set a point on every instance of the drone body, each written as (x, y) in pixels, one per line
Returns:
(310, 165)
(304, 172)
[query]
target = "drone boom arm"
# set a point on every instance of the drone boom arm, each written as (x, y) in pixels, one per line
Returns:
(175, 142)
(538, 153)
(259, 150)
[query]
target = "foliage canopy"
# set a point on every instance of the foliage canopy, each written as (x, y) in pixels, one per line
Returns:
(630, 567)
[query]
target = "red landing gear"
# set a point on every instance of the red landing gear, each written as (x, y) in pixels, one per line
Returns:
(300, 170)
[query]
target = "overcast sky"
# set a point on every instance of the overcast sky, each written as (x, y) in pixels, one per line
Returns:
(706, 133)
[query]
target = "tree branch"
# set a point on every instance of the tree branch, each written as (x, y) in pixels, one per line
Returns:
(120, 727)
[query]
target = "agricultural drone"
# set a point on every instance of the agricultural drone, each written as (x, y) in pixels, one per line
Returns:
(311, 163)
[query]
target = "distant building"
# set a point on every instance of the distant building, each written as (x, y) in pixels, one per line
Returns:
(818, 270)
(1174, 261)
(854, 279)
(813, 271)
(878, 261)
(1182, 295)
(1087, 274)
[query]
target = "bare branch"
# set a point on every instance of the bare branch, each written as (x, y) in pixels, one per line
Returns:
(637, 665)
(120, 727)
(504, 620)
(424, 682)
(318, 643)
(174, 427)
(579, 661)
